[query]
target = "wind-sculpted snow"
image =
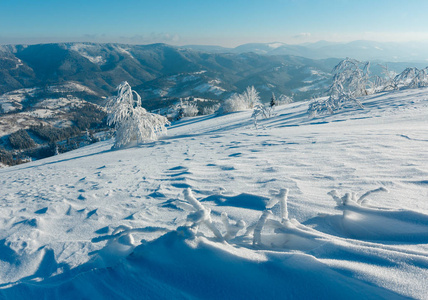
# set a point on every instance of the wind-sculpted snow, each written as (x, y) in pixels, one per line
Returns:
(359, 221)
(301, 208)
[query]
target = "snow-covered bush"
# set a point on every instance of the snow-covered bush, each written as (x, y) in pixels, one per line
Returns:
(250, 97)
(183, 110)
(406, 77)
(209, 110)
(132, 122)
(231, 229)
(278, 197)
(239, 102)
(284, 99)
(190, 110)
(233, 103)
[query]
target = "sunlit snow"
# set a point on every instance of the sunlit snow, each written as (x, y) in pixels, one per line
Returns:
(330, 207)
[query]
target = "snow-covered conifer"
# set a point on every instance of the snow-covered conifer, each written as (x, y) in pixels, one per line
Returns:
(273, 100)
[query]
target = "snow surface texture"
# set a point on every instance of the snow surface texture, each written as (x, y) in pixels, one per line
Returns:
(218, 209)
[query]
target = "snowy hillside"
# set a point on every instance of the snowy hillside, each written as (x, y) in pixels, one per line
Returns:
(150, 222)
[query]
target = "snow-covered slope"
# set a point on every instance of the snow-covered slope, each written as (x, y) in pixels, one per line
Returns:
(96, 223)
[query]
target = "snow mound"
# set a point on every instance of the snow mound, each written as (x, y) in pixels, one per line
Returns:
(182, 266)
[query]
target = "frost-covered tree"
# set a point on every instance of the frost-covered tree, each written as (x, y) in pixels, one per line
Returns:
(406, 77)
(132, 122)
(388, 82)
(350, 81)
(420, 80)
(411, 77)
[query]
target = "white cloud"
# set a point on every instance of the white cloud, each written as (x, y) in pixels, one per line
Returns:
(303, 35)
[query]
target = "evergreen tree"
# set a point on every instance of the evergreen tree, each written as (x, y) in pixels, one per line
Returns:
(273, 100)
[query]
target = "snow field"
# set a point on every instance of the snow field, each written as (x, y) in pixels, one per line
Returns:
(218, 209)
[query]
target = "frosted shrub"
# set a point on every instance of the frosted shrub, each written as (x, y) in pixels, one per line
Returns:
(250, 97)
(190, 110)
(284, 99)
(386, 83)
(406, 77)
(257, 237)
(233, 103)
(239, 102)
(183, 109)
(278, 197)
(260, 111)
(133, 124)
(209, 110)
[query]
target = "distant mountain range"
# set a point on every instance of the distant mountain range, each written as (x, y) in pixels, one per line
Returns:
(362, 50)
(159, 71)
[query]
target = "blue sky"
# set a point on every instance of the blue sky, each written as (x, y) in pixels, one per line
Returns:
(221, 22)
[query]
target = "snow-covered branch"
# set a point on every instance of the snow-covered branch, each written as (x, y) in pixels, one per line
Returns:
(201, 215)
